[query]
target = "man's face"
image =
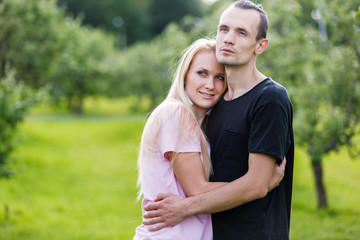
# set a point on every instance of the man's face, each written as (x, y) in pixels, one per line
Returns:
(236, 36)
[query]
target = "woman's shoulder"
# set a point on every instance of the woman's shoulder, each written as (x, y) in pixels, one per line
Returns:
(176, 112)
(173, 108)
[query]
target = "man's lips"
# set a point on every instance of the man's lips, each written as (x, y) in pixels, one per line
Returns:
(226, 50)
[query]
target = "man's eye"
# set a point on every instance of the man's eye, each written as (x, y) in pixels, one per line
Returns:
(223, 29)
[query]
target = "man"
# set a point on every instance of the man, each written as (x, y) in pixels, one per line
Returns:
(250, 131)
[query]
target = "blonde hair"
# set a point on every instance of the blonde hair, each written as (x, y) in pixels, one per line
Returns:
(177, 97)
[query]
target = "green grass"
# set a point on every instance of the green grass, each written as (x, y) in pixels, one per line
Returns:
(341, 221)
(100, 105)
(76, 179)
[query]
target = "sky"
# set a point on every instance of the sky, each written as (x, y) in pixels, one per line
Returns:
(209, 1)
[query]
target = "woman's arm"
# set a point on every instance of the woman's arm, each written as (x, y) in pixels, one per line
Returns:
(190, 173)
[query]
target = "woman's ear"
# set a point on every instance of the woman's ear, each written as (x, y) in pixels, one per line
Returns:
(261, 46)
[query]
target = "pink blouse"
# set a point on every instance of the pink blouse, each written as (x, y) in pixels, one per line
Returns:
(158, 177)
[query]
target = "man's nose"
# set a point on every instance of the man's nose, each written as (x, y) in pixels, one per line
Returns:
(229, 38)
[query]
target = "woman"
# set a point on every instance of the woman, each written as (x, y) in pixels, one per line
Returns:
(174, 154)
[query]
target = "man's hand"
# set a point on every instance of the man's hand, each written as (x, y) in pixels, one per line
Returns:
(278, 175)
(167, 210)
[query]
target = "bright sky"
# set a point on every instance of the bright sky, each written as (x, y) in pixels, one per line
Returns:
(209, 1)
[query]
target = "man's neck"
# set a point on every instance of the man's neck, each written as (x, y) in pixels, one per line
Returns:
(240, 80)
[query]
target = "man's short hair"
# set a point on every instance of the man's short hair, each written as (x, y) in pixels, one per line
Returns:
(264, 23)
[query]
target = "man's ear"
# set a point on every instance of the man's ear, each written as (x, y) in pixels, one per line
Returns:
(261, 46)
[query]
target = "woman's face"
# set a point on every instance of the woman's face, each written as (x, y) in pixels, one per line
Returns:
(205, 81)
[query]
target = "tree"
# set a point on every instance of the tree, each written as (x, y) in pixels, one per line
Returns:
(15, 100)
(320, 70)
(23, 63)
(47, 49)
(41, 48)
(80, 70)
(140, 20)
(101, 14)
(338, 97)
(162, 12)
(144, 69)
(29, 39)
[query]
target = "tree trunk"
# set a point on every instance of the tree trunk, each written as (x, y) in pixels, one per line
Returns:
(75, 104)
(7, 213)
(78, 107)
(320, 189)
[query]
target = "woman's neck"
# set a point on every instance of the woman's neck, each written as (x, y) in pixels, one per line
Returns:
(200, 114)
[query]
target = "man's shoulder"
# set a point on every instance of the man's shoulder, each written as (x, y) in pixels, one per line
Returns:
(272, 90)
(271, 85)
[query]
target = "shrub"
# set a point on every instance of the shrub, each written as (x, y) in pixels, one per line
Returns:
(15, 100)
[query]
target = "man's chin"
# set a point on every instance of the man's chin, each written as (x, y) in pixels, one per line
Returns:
(228, 63)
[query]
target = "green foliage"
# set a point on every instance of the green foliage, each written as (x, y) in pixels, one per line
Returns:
(101, 14)
(163, 12)
(46, 48)
(144, 69)
(41, 48)
(15, 100)
(331, 89)
(142, 20)
(315, 54)
(29, 41)
(320, 69)
(80, 70)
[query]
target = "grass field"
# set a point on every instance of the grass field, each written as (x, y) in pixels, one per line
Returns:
(76, 179)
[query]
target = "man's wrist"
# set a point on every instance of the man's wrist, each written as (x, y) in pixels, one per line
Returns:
(190, 206)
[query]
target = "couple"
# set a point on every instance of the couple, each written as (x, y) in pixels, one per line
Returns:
(250, 133)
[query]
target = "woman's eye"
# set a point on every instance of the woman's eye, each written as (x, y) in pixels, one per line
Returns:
(222, 78)
(201, 73)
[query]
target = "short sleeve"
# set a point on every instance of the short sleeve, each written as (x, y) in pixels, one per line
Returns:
(269, 132)
(178, 132)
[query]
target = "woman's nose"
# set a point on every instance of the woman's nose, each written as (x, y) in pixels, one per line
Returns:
(210, 83)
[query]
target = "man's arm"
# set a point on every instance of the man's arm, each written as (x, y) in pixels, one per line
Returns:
(170, 210)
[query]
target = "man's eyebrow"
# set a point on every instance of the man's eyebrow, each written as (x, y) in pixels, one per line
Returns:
(242, 29)
(237, 29)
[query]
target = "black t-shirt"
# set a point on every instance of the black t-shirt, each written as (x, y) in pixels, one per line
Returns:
(260, 121)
